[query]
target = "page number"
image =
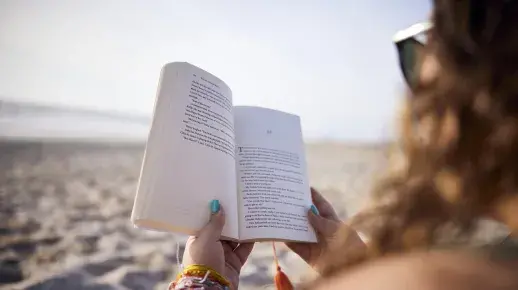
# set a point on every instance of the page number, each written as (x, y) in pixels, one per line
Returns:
(268, 132)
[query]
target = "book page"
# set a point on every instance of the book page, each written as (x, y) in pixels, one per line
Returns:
(273, 190)
(190, 155)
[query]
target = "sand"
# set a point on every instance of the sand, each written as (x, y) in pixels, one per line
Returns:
(65, 208)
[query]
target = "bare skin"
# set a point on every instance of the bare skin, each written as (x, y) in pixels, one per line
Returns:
(225, 257)
(427, 271)
(326, 224)
(228, 258)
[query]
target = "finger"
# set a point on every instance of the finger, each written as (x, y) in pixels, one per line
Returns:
(324, 207)
(243, 251)
(323, 226)
(212, 230)
(232, 244)
(300, 249)
(231, 258)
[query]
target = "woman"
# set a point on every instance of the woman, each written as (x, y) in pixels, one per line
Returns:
(460, 147)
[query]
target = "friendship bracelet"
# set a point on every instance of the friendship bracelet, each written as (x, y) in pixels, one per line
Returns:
(189, 282)
(203, 273)
(201, 270)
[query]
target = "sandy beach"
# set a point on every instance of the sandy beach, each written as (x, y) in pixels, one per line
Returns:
(65, 208)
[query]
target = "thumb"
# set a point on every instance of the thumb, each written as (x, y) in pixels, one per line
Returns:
(322, 226)
(212, 230)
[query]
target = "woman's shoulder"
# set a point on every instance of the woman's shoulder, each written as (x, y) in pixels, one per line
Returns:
(505, 250)
(428, 271)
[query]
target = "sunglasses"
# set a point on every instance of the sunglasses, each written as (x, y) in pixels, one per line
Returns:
(410, 44)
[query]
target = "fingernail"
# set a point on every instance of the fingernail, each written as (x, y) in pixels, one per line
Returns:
(314, 209)
(214, 206)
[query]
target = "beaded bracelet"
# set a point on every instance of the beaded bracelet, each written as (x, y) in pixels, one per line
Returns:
(188, 282)
(199, 276)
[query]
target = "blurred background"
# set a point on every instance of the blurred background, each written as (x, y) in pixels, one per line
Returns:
(77, 87)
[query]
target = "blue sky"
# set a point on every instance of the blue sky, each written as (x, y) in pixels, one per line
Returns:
(331, 62)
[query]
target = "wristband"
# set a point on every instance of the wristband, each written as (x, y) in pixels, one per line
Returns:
(201, 275)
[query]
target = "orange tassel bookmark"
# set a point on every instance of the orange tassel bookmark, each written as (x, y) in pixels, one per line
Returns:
(282, 282)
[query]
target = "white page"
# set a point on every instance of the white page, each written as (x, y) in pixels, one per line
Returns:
(189, 157)
(273, 189)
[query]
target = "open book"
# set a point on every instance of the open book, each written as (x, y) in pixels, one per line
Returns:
(201, 148)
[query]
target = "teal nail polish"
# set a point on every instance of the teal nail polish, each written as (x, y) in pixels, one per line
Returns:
(314, 209)
(214, 206)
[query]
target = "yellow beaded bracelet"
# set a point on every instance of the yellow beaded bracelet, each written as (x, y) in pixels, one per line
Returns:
(200, 271)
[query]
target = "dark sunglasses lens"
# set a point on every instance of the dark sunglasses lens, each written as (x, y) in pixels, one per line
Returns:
(409, 56)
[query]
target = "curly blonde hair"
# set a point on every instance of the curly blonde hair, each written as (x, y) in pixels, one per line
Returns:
(459, 139)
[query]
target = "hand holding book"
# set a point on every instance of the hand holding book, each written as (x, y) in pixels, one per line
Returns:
(225, 258)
